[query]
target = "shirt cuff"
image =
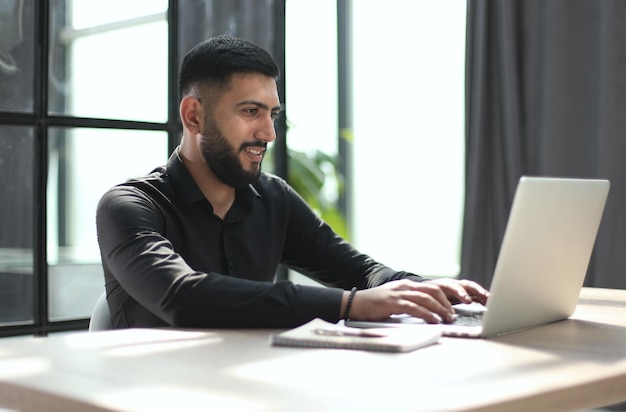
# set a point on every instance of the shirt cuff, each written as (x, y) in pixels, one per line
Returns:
(321, 302)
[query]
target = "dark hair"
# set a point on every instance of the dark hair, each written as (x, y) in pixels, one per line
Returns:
(217, 58)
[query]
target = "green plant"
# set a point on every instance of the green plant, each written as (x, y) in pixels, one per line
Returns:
(316, 178)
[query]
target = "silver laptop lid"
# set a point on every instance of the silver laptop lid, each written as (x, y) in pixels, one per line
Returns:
(545, 252)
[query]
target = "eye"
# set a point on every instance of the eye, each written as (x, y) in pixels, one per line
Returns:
(275, 115)
(252, 110)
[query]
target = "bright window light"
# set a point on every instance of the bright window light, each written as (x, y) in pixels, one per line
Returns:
(408, 170)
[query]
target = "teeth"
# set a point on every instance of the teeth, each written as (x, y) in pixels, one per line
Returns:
(255, 152)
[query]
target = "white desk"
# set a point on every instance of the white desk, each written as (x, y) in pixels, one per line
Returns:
(571, 365)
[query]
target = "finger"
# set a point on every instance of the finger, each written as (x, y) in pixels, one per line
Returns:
(480, 297)
(456, 292)
(435, 290)
(426, 315)
(467, 291)
(433, 308)
(477, 293)
(439, 293)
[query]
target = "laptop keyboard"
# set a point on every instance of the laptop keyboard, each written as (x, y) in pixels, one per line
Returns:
(468, 319)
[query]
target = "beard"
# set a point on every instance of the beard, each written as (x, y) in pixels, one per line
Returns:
(223, 159)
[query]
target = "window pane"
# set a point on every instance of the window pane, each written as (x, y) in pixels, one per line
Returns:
(409, 160)
(109, 59)
(83, 164)
(309, 101)
(16, 224)
(16, 55)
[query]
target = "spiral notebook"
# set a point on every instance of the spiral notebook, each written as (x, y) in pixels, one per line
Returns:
(321, 334)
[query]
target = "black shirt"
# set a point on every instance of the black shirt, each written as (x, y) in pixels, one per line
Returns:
(168, 260)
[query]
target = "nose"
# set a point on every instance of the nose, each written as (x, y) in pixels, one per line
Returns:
(266, 131)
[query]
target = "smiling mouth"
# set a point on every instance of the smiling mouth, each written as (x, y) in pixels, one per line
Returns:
(254, 149)
(256, 152)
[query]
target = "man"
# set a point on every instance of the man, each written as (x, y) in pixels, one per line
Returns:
(197, 243)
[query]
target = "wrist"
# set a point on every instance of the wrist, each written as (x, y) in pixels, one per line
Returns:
(348, 305)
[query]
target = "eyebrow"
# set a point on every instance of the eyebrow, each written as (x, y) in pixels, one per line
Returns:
(261, 105)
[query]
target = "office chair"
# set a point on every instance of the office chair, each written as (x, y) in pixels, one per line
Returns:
(100, 317)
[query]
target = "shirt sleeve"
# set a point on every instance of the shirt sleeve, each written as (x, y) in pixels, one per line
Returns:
(315, 250)
(136, 253)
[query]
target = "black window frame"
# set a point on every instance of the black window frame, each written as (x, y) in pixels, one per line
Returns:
(41, 122)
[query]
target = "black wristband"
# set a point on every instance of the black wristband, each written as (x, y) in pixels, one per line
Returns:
(346, 314)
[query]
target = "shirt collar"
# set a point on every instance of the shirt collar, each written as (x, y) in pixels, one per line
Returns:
(189, 192)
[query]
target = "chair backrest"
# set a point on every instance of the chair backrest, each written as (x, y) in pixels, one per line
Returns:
(100, 317)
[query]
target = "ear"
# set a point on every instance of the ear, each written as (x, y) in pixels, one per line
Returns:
(191, 114)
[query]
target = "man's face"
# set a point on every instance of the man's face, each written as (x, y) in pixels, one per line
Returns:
(236, 133)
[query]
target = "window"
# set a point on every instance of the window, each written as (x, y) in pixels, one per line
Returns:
(408, 149)
(82, 164)
(17, 153)
(90, 79)
(405, 64)
(95, 106)
(311, 89)
(18, 168)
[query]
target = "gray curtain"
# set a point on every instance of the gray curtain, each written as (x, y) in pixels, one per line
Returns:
(545, 95)
(254, 20)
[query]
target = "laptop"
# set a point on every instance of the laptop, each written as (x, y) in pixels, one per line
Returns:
(542, 262)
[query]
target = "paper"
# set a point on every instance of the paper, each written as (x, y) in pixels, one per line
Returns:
(321, 334)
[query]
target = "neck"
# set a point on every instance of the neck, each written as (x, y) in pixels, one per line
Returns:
(220, 195)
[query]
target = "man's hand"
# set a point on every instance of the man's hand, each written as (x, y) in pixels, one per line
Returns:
(462, 291)
(428, 300)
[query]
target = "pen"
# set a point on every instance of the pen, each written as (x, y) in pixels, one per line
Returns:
(347, 332)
